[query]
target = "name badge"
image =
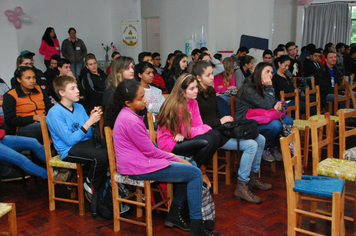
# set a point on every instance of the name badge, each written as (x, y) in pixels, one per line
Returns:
(57, 48)
(77, 48)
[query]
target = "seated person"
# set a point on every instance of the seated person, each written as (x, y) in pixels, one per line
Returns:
(156, 61)
(113, 56)
(11, 145)
(93, 84)
(25, 104)
(52, 71)
(267, 56)
(207, 56)
(153, 95)
(85, 70)
(350, 62)
(326, 77)
(312, 65)
(224, 82)
(150, 163)
(241, 52)
(253, 148)
(70, 129)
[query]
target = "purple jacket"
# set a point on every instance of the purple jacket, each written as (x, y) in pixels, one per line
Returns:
(135, 152)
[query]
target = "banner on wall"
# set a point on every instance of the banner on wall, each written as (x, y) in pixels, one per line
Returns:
(129, 31)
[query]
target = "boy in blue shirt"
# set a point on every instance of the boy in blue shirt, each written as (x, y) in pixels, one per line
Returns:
(70, 129)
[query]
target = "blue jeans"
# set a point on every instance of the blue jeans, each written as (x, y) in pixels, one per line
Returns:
(330, 98)
(76, 68)
(10, 147)
(32, 130)
(224, 108)
(189, 185)
(272, 130)
(251, 157)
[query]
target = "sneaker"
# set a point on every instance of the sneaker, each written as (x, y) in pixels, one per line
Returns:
(267, 156)
(276, 152)
(88, 189)
(14, 175)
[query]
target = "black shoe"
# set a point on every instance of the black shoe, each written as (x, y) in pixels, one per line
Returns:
(94, 203)
(175, 217)
(88, 191)
(197, 229)
(14, 175)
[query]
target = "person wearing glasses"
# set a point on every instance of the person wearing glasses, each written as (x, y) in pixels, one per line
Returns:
(156, 61)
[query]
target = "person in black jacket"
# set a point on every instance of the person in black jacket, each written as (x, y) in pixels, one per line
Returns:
(93, 83)
(259, 93)
(327, 76)
(312, 65)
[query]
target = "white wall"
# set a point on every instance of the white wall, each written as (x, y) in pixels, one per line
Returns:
(178, 21)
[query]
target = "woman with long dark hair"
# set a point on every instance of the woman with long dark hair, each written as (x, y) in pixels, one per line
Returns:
(49, 45)
(259, 93)
(168, 65)
(179, 67)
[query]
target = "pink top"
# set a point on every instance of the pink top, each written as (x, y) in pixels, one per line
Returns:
(165, 138)
(219, 83)
(135, 152)
(48, 51)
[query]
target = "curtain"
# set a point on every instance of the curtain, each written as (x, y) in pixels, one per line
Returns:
(324, 23)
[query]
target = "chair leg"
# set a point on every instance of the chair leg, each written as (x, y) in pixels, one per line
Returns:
(335, 223)
(227, 167)
(169, 195)
(80, 189)
(139, 199)
(306, 146)
(148, 207)
(215, 174)
(273, 166)
(12, 221)
(355, 209)
(116, 205)
(52, 205)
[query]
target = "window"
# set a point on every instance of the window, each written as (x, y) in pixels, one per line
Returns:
(353, 24)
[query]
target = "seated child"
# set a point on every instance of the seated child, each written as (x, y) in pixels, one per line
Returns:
(70, 128)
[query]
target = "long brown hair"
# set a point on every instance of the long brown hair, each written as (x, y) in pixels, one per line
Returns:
(198, 69)
(229, 67)
(118, 65)
(174, 111)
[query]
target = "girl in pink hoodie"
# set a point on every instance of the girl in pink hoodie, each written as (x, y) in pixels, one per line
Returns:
(49, 45)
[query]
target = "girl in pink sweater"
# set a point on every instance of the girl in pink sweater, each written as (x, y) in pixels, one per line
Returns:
(137, 157)
(49, 45)
(180, 127)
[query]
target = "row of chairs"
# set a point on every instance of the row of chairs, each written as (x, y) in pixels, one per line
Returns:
(301, 188)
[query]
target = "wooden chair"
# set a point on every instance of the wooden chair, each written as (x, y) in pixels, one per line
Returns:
(332, 167)
(352, 89)
(309, 188)
(346, 98)
(145, 185)
(10, 210)
(348, 154)
(151, 129)
(295, 108)
(57, 162)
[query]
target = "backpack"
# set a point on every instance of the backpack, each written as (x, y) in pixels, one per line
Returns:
(105, 202)
(159, 196)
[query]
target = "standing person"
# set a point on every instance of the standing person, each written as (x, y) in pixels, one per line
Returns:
(49, 45)
(259, 93)
(25, 104)
(179, 67)
(180, 127)
(74, 50)
(72, 135)
(122, 68)
(147, 162)
(252, 148)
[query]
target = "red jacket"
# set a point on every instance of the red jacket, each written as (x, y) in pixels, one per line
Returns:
(48, 51)
(2, 131)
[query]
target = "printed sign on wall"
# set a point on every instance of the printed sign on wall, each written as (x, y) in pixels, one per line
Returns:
(129, 33)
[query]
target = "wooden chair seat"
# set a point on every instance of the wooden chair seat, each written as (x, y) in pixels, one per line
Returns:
(346, 110)
(338, 168)
(5, 208)
(57, 162)
(322, 117)
(350, 154)
(9, 209)
(124, 179)
(301, 124)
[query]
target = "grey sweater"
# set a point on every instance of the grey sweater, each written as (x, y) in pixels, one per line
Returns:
(74, 55)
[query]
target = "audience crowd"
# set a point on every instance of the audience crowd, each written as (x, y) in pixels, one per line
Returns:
(191, 100)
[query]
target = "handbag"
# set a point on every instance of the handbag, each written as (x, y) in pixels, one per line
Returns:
(208, 208)
(230, 92)
(263, 116)
(286, 129)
